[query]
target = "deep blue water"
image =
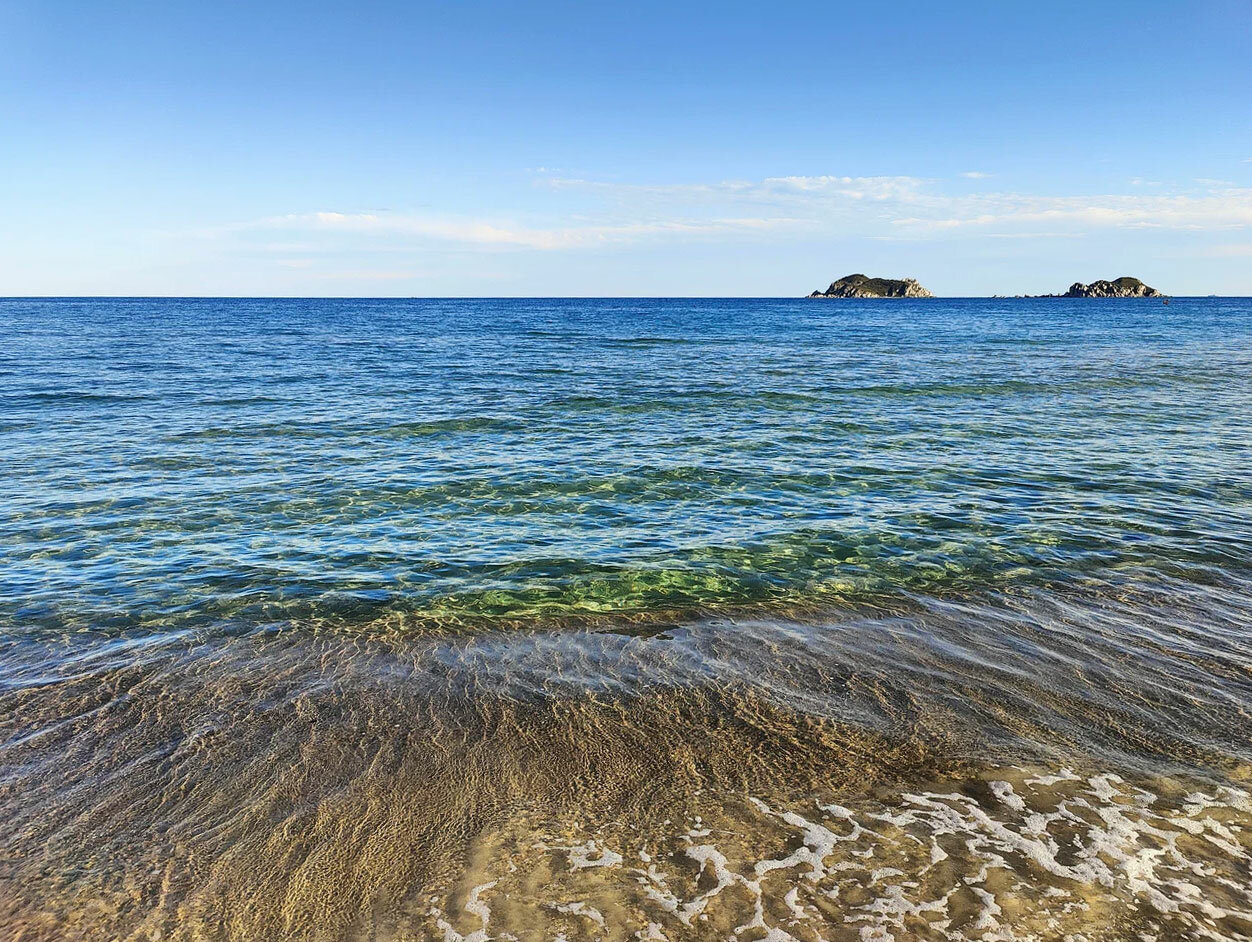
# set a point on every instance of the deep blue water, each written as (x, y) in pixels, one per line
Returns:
(168, 461)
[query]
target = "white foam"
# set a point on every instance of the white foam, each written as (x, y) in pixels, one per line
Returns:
(579, 908)
(589, 854)
(1033, 863)
(475, 906)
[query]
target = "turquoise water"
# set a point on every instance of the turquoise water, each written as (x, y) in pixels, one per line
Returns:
(316, 616)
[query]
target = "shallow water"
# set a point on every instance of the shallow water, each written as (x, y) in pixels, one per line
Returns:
(625, 619)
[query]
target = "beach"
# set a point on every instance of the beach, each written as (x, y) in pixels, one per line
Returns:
(626, 619)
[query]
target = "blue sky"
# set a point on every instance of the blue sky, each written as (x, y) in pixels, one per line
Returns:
(627, 149)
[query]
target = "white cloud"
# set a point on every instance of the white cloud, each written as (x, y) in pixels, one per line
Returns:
(856, 188)
(809, 207)
(975, 174)
(485, 233)
(770, 189)
(858, 204)
(1228, 208)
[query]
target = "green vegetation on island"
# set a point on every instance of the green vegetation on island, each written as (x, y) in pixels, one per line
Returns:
(862, 286)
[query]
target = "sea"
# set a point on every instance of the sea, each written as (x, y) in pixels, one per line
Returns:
(663, 619)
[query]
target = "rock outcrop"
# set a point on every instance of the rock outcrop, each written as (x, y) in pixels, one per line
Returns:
(1121, 288)
(862, 286)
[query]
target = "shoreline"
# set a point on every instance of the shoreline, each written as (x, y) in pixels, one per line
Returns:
(403, 620)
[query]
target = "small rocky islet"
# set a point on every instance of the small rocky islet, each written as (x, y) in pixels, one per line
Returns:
(1124, 287)
(862, 286)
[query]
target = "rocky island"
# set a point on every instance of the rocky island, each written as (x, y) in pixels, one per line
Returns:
(862, 286)
(1124, 287)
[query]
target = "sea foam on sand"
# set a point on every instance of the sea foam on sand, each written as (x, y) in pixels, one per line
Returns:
(1017, 855)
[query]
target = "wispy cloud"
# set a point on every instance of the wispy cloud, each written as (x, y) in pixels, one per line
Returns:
(770, 189)
(489, 233)
(975, 175)
(1224, 208)
(585, 214)
(922, 205)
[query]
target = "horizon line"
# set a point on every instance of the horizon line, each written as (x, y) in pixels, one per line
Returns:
(573, 297)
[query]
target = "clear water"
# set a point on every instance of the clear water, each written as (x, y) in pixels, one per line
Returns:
(337, 619)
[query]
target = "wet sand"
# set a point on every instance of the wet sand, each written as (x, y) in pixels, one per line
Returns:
(992, 768)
